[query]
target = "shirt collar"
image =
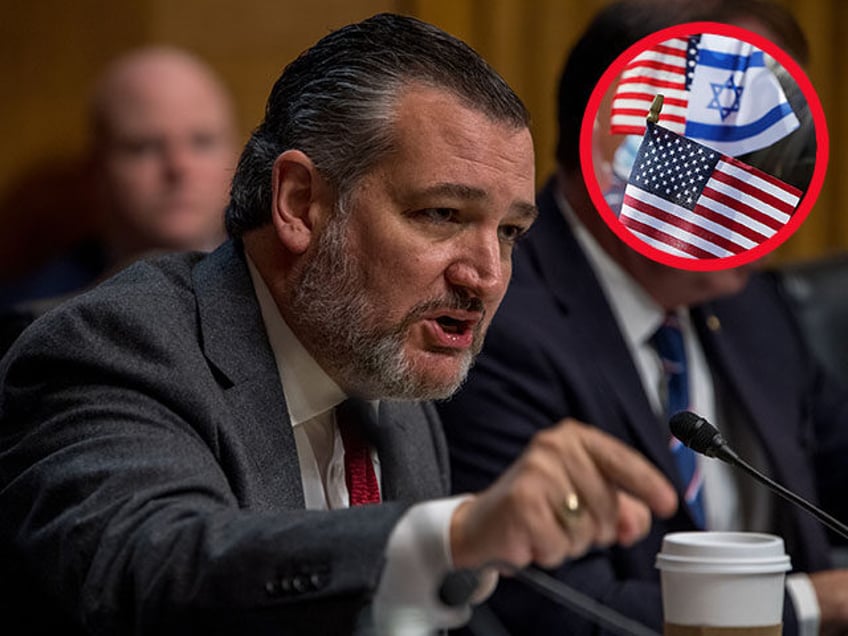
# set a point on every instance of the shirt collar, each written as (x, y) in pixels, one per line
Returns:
(638, 315)
(309, 391)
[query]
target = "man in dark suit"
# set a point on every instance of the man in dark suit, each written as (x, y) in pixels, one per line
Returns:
(573, 339)
(191, 447)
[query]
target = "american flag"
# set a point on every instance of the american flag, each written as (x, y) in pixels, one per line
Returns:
(718, 90)
(662, 69)
(691, 201)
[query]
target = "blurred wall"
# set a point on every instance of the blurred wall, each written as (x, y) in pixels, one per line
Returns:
(51, 51)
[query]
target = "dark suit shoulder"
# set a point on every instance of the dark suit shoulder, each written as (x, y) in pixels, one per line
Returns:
(148, 285)
(758, 317)
(148, 295)
(138, 329)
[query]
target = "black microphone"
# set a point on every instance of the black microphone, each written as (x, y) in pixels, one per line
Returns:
(702, 437)
(458, 587)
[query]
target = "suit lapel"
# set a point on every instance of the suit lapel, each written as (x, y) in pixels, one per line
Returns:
(408, 456)
(589, 321)
(236, 346)
(741, 368)
(744, 372)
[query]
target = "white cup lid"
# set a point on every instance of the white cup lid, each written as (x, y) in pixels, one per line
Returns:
(723, 552)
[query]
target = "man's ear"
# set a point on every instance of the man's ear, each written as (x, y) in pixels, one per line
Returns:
(296, 189)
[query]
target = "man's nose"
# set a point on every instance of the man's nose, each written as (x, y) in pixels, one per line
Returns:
(480, 267)
(177, 159)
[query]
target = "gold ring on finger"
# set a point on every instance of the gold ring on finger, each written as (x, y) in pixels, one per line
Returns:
(569, 511)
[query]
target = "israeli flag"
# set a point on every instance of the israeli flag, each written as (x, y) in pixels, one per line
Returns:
(736, 104)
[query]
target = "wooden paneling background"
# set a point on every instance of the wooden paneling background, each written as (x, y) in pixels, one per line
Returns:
(51, 51)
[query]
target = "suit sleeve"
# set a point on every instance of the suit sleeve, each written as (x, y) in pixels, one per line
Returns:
(122, 512)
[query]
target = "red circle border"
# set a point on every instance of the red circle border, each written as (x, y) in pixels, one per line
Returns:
(808, 199)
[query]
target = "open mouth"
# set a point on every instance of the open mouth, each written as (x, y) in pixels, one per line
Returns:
(454, 330)
(453, 326)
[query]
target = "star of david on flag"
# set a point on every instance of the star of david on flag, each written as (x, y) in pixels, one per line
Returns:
(718, 90)
(688, 200)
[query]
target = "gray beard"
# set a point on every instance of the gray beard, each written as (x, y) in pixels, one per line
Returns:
(340, 321)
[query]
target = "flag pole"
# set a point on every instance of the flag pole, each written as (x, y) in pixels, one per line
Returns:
(656, 107)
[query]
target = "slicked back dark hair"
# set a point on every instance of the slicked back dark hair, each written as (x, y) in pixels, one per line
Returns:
(336, 103)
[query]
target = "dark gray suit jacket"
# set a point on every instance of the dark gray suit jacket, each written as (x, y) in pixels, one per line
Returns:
(149, 480)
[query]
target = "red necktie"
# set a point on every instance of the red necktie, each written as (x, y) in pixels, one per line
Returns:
(360, 477)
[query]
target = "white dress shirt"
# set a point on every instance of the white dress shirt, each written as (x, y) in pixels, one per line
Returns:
(638, 317)
(418, 552)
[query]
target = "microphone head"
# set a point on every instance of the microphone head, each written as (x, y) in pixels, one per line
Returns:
(696, 433)
(458, 587)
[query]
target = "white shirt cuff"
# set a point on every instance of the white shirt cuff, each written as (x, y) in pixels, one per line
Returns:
(805, 602)
(418, 557)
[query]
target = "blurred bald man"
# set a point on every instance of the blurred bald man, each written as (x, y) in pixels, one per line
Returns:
(163, 149)
(164, 142)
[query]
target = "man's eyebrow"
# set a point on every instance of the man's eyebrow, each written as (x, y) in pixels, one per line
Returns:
(470, 193)
(526, 210)
(455, 190)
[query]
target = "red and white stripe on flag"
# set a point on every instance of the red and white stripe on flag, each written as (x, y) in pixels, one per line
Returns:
(738, 208)
(661, 69)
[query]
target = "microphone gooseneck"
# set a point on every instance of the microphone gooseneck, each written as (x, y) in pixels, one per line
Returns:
(601, 615)
(458, 587)
(702, 437)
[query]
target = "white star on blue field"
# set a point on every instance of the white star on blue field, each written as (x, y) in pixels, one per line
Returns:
(673, 167)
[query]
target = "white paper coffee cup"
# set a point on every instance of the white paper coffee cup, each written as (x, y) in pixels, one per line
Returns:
(722, 579)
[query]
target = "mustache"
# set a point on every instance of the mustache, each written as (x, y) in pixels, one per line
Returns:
(457, 301)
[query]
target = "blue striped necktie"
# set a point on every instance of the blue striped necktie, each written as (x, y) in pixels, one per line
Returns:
(668, 341)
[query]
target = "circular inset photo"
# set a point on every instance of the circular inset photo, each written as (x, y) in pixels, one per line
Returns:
(704, 146)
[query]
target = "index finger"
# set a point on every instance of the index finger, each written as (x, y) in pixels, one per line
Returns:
(629, 470)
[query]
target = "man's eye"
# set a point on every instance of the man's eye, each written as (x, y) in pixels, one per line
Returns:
(205, 141)
(140, 147)
(512, 233)
(438, 215)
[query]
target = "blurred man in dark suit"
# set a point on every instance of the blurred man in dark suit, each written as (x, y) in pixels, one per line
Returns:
(576, 336)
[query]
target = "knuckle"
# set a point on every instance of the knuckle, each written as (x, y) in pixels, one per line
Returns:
(607, 533)
(553, 555)
(547, 440)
